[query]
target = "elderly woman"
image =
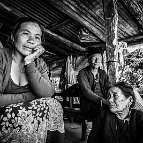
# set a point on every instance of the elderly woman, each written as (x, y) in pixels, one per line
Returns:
(28, 114)
(119, 123)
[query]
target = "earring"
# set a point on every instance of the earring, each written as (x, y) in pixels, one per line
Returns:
(130, 103)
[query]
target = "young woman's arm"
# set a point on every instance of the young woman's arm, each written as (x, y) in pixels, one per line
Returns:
(39, 80)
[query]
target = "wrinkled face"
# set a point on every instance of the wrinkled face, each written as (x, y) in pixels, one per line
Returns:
(95, 60)
(27, 38)
(117, 101)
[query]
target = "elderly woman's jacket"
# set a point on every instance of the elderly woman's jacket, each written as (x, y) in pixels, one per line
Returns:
(109, 129)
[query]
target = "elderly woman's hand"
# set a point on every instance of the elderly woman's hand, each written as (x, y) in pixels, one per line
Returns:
(37, 52)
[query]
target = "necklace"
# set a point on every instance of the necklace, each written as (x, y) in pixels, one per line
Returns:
(20, 66)
(96, 76)
(125, 119)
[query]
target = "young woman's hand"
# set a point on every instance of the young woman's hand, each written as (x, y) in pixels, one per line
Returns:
(36, 53)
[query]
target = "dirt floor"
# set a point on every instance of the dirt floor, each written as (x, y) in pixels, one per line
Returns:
(73, 132)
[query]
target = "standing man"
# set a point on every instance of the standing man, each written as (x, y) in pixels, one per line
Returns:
(93, 84)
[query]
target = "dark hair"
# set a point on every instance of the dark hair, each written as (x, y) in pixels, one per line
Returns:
(126, 89)
(24, 20)
(96, 50)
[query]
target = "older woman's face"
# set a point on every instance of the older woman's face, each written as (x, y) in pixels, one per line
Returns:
(95, 60)
(117, 100)
(27, 38)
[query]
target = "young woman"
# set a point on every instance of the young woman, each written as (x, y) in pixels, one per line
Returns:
(28, 114)
(120, 123)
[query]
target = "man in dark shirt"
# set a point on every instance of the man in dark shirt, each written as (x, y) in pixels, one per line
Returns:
(93, 84)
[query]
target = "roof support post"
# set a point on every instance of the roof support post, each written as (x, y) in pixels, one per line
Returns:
(111, 22)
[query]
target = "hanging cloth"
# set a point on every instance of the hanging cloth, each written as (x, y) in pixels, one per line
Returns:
(70, 73)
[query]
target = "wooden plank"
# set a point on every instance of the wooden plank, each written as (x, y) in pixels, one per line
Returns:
(60, 24)
(111, 21)
(84, 12)
(53, 60)
(71, 31)
(95, 44)
(121, 33)
(132, 38)
(63, 40)
(95, 7)
(137, 42)
(135, 11)
(55, 48)
(91, 13)
(126, 27)
(76, 13)
(27, 12)
(125, 16)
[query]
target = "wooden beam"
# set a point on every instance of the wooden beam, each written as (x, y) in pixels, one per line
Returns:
(81, 15)
(132, 38)
(60, 25)
(63, 40)
(111, 21)
(94, 44)
(12, 10)
(55, 49)
(53, 60)
(127, 19)
(137, 42)
(134, 12)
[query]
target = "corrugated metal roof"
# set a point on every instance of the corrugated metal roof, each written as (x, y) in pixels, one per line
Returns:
(65, 18)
